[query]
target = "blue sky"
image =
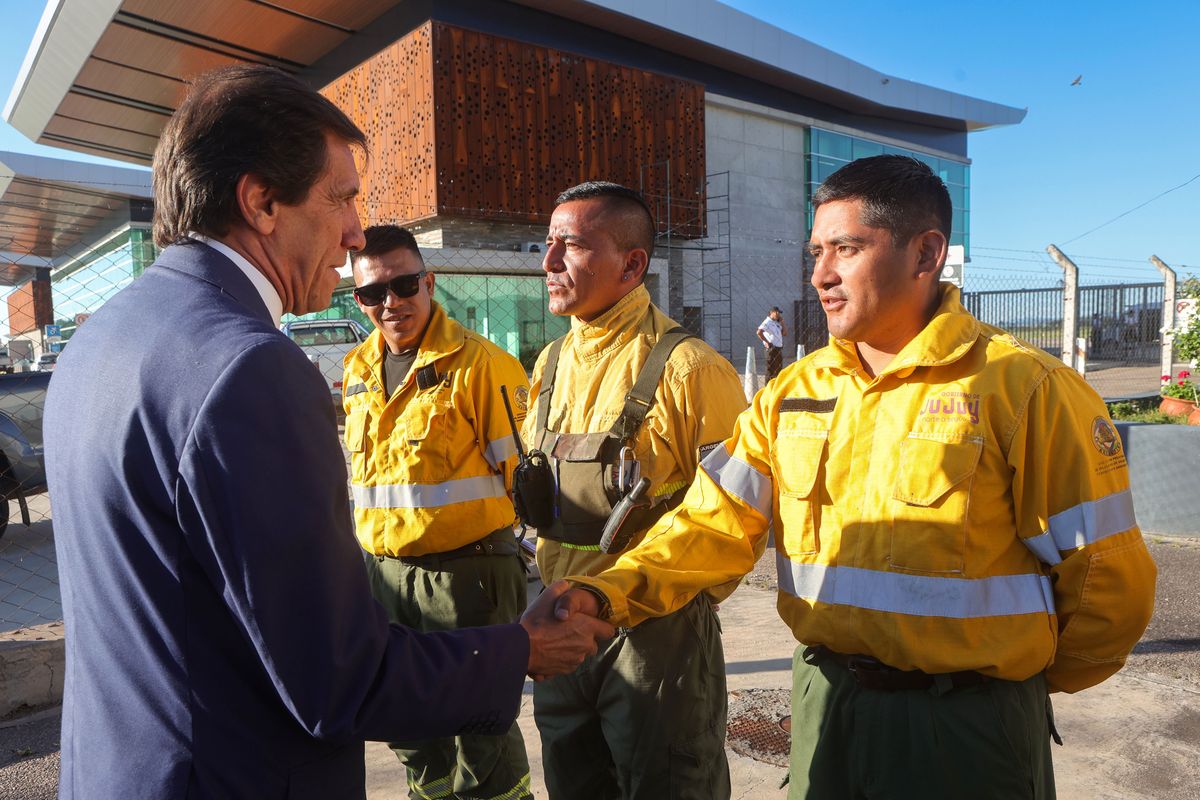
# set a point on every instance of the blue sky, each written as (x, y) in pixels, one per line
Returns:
(1083, 155)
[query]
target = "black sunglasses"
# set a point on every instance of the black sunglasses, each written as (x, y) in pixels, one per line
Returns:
(402, 286)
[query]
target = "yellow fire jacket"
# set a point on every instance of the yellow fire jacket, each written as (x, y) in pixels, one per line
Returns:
(431, 469)
(966, 509)
(697, 401)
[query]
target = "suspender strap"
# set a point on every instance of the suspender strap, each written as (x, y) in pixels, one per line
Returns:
(546, 392)
(640, 399)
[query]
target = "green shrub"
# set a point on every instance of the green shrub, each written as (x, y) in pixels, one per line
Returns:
(1143, 411)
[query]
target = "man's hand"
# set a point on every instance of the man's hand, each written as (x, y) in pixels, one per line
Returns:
(561, 638)
(576, 601)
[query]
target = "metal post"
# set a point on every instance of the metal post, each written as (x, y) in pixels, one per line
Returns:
(1168, 318)
(1070, 323)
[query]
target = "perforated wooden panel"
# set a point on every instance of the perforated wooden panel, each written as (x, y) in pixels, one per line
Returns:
(469, 125)
(390, 97)
(518, 123)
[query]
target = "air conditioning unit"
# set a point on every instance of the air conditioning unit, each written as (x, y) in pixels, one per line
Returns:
(533, 247)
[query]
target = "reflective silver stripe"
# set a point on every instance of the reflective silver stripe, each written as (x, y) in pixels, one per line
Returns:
(1092, 521)
(1043, 547)
(916, 595)
(500, 451)
(428, 495)
(357, 388)
(743, 481)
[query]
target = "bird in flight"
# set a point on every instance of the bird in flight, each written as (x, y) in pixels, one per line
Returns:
(1078, 80)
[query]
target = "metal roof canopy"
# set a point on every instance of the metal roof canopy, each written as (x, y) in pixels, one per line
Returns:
(48, 205)
(103, 76)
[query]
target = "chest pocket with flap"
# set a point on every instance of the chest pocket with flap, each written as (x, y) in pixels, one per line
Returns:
(798, 459)
(931, 500)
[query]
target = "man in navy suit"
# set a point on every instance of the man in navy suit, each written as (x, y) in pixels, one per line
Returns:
(221, 637)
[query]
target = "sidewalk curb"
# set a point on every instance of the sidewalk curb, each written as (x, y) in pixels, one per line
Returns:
(32, 667)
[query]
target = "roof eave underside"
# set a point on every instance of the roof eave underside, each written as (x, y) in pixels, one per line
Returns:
(103, 76)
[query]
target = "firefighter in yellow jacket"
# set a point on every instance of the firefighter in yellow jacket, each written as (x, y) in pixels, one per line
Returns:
(432, 456)
(954, 529)
(625, 396)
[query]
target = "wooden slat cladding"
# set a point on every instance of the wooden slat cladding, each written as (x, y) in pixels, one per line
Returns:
(517, 124)
(390, 97)
(470, 125)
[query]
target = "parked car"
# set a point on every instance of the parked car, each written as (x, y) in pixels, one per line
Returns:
(46, 362)
(326, 342)
(22, 461)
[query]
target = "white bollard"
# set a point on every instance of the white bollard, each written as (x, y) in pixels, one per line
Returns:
(799, 352)
(750, 378)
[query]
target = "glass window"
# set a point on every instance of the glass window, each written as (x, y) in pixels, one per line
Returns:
(865, 149)
(834, 144)
(830, 151)
(952, 172)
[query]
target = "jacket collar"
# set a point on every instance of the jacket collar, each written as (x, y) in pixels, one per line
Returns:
(614, 328)
(946, 338)
(204, 263)
(443, 336)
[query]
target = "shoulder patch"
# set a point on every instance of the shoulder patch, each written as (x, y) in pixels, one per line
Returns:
(1105, 437)
(703, 450)
(521, 398)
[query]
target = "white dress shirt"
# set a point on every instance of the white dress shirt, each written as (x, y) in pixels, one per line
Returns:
(265, 289)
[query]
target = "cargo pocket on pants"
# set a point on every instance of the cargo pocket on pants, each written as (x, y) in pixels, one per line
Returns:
(699, 768)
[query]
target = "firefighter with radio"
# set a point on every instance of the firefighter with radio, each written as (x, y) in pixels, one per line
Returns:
(432, 461)
(623, 408)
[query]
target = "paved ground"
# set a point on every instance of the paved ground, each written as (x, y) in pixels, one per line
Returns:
(1136, 737)
(28, 570)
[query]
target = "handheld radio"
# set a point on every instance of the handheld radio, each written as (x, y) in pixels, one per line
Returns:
(533, 480)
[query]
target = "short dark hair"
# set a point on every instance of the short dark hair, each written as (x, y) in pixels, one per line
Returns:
(899, 193)
(236, 120)
(383, 239)
(638, 229)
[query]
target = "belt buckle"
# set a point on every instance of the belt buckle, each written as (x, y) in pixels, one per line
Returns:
(857, 664)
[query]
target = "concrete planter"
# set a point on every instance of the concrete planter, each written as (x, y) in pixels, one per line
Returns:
(1164, 465)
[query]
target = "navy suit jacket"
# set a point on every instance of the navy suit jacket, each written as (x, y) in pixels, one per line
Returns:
(221, 637)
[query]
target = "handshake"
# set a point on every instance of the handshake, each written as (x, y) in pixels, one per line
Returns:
(563, 630)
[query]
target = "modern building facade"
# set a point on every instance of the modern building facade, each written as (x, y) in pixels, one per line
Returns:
(480, 111)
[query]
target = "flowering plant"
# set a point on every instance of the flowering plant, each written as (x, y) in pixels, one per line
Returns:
(1181, 387)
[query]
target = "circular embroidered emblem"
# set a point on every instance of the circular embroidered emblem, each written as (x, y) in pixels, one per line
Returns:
(521, 396)
(1105, 437)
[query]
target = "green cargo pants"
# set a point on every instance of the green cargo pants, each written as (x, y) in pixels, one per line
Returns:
(437, 596)
(644, 718)
(985, 742)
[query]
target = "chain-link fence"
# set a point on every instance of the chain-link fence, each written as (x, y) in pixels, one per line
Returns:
(721, 286)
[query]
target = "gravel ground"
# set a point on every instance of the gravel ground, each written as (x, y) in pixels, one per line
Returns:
(1171, 645)
(29, 757)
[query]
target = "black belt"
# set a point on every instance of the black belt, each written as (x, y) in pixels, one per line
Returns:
(502, 542)
(871, 673)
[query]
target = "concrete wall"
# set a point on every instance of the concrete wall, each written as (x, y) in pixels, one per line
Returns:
(1164, 461)
(763, 151)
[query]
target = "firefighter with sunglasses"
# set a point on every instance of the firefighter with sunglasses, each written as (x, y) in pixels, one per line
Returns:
(432, 456)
